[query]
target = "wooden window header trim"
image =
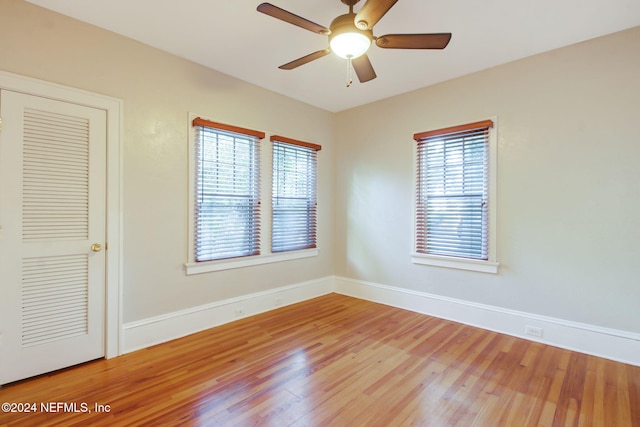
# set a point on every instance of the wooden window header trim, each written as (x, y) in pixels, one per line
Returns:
(221, 126)
(284, 139)
(454, 129)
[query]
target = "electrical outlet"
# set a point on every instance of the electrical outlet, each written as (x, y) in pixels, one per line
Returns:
(533, 331)
(240, 312)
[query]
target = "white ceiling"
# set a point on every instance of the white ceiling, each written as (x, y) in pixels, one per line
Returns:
(232, 37)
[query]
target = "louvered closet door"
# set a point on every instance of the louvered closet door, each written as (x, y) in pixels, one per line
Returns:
(52, 210)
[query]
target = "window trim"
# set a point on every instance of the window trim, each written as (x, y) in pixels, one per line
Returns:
(490, 265)
(248, 261)
(191, 267)
(279, 138)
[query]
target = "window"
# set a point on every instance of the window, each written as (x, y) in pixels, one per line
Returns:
(225, 205)
(294, 200)
(453, 197)
(227, 191)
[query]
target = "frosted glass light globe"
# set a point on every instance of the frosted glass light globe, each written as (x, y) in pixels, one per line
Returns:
(350, 45)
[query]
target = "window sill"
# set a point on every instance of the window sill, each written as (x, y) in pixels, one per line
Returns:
(228, 264)
(457, 263)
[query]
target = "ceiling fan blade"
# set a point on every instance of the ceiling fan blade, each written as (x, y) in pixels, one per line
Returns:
(414, 41)
(283, 15)
(307, 58)
(371, 13)
(364, 69)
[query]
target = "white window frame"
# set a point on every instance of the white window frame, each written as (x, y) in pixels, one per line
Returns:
(191, 266)
(484, 266)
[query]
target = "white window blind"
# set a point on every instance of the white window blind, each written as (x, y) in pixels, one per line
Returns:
(294, 194)
(227, 193)
(452, 191)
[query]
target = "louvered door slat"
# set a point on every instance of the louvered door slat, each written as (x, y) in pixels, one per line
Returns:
(44, 282)
(55, 168)
(61, 311)
(62, 319)
(54, 298)
(51, 336)
(65, 292)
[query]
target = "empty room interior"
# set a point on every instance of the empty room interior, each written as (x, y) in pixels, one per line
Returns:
(212, 215)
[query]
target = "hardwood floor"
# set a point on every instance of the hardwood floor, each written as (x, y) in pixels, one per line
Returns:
(338, 361)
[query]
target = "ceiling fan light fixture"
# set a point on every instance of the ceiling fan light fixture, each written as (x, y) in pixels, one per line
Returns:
(350, 45)
(351, 35)
(346, 40)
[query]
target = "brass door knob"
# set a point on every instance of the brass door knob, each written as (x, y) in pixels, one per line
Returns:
(96, 247)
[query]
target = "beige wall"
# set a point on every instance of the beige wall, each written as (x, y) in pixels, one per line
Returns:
(568, 184)
(569, 180)
(159, 90)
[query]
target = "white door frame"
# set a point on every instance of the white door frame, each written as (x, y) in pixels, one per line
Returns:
(113, 107)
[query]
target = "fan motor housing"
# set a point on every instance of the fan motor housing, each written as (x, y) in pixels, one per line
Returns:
(345, 23)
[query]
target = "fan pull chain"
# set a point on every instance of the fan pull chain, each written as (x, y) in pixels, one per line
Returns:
(349, 79)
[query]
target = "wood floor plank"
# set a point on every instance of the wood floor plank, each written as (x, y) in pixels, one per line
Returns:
(339, 361)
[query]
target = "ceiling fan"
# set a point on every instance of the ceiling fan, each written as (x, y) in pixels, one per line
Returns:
(350, 36)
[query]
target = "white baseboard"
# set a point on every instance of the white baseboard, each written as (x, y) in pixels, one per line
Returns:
(147, 332)
(621, 346)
